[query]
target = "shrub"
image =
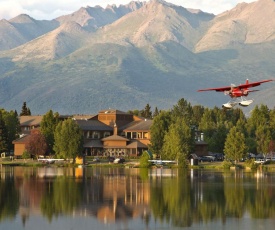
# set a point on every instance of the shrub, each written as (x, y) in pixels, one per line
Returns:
(26, 155)
(227, 164)
(144, 160)
(251, 164)
(182, 162)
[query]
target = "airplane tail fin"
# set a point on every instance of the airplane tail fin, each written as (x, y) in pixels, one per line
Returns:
(247, 82)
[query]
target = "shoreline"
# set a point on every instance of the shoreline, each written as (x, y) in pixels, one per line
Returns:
(218, 165)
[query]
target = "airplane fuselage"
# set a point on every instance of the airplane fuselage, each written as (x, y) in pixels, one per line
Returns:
(238, 92)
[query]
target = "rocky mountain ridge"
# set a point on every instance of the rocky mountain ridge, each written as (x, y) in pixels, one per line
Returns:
(125, 57)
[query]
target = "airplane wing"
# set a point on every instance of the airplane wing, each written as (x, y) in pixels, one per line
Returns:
(220, 89)
(253, 84)
(242, 86)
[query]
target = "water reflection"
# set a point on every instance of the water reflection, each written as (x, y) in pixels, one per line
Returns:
(160, 197)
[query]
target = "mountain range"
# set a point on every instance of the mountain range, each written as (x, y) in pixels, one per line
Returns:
(126, 56)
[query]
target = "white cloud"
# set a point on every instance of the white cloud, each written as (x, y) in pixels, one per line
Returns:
(49, 9)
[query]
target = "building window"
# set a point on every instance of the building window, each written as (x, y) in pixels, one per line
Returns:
(134, 135)
(89, 134)
(107, 134)
(139, 134)
(96, 135)
(123, 134)
(145, 135)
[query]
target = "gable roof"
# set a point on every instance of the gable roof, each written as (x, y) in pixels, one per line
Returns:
(115, 138)
(93, 125)
(23, 139)
(143, 125)
(136, 144)
(30, 120)
(112, 111)
(83, 116)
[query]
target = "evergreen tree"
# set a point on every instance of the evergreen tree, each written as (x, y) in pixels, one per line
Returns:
(259, 116)
(68, 140)
(25, 110)
(183, 109)
(146, 112)
(235, 147)
(198, 111)
(156, 112)
(208, 127)
(48, 126)
(3, 135)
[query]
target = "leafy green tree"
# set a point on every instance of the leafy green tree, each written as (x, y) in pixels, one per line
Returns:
(134, 112)
(37, 144)
(178, 141)
(48, 126)
(235, 147)
(25, 110)
(158, 130)
(3, 135)
(68, 140)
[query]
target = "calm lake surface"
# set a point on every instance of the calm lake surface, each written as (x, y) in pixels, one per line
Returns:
(116, 198)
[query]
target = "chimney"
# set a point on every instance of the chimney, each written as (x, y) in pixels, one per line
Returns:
(201, 136)
(115, 129)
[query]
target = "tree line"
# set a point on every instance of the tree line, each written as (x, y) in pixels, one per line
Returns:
(225, 131)
(173, 132)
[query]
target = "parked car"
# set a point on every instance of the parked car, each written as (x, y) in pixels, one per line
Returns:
(119, 160)
(207, 159)
(260, 161)
(111, 159)
(96, 160)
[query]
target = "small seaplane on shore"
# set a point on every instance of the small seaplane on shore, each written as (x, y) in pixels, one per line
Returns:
(237, 93)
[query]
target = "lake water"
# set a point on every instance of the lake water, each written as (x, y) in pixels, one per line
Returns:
(115, 198)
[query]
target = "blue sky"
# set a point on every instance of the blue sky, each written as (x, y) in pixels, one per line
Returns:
(49, 9)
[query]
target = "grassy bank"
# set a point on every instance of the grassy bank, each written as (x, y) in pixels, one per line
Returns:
(133, 163)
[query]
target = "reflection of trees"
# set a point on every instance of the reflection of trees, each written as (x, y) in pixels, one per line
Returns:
(9, 199)
(234, 195)
(171, 199)
(184, 201)
(261, 200)
(61, 197)
(213, 204)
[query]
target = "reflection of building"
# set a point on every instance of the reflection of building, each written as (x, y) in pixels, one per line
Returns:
(124, 197)
(110, 196)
